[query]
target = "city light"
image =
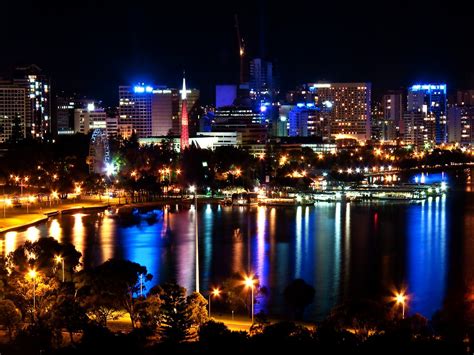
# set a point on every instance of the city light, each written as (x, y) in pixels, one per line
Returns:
(110, 169)
(401, 299)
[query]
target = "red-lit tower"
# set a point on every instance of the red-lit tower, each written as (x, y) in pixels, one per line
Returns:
(184, 141)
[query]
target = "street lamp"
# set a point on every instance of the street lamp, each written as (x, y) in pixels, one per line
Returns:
(215, 292)
(60, 259)
(192, 189)
(401, 298)
(250, 282)
(32, 275)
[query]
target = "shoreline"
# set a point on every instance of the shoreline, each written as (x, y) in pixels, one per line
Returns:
(22, 221)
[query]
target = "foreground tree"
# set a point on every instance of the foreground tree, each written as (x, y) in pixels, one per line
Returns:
(112, 286)
(176, 314)
(70, 315)
(10, 316)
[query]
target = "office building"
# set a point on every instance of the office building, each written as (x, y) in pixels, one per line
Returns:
(305, 121)
(344, 108)
(430, 100)
(135, 108)
(460, 124)
(13, 112)
(419, 129)
(86, 120)
(164, 112)
(393, 108)
(38, 109)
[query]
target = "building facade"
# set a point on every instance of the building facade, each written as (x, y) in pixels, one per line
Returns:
(345, 108)
(13, 113)
(430, 100)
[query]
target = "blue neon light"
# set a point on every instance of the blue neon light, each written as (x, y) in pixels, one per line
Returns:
(429, 87)
(300, 105)
(263, 108)
(140, 89)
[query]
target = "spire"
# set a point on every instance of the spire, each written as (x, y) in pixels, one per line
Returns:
(184, 141)
(183, 90)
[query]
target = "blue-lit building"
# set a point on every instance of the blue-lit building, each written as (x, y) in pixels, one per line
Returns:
(135, 108)
(430, 101)
(305, 121)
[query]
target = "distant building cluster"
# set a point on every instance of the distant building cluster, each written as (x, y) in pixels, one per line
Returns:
(252, 113)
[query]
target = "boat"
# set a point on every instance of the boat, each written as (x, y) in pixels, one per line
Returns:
(245, 199)
(287, 201)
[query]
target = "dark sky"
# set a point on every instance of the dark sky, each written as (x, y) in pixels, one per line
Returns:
(93, 46)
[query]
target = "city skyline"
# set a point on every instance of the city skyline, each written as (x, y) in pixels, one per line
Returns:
(336, 43)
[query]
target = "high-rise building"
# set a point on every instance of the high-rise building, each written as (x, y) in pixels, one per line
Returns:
(418, 129)
(461, 124)
(13, 112)
(393, 108)
(305, 121)
(164, 112)
(430, 100)
(135, 108)
(261, 75)
(345, 108)
(38, 110)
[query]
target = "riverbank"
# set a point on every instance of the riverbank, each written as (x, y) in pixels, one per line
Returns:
(19, 218)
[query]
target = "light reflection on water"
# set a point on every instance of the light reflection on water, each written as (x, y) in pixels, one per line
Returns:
(342, 249)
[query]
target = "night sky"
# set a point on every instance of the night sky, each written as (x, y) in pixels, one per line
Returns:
(91, 47)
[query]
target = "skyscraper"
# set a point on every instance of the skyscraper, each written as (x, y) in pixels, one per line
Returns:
(345, 108)
(13, 109)
(430, 100)
(184, 141)
(392, 106)
(164, 110)
(135, 108)
(38, 108)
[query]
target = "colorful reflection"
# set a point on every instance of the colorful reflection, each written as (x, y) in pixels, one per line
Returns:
(427, 264)
(341, 249)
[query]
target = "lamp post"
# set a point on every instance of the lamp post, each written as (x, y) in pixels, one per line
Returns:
(33, 274)
(215, 292)
(60, 259)
(250, 282)
(401, 298)
(192, 189)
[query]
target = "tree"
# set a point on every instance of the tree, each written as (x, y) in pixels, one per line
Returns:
(176, 314)
(10, 316)
(41, 255)
(70, 315)
(149, 310)
(298, 295)
(113, 285)
(198, 307)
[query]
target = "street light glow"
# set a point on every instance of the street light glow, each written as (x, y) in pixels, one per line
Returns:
(249, 281)
(192, 189)
(216, 292)
(32, 274)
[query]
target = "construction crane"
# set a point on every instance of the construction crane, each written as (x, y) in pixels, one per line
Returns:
(241, 45)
